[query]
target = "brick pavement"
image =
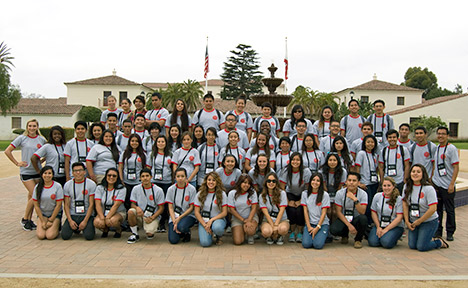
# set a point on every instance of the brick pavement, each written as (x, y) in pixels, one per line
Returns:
(21, 252)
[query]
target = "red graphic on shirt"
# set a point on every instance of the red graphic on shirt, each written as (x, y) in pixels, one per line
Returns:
(187, 198)
(216, 153)
(287, 162)
(151, 197)
(422, 195)
(426, 154)
(169, 161)
(215, 117)
(240, 156)
(53, 196)
(233, 183)
(360, 125)
(113, 198)
(442, 156)
(398, 156)
(85, 192)
(384, 125)
(139, 159)
(249, 202)
(390, 206)
(272, 123)
(216, 202)
(38, 146)
(159, 115)
(319, 204)
(191, 158)
(272, 146)
(242, 120)
(315, 160)
(88, 149)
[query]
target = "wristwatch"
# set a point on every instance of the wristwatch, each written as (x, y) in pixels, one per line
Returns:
(357, 201)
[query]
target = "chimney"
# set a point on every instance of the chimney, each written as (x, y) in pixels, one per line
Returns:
(374, 77)
(114, 73)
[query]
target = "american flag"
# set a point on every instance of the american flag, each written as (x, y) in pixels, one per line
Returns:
(207, 62)
(285, 61)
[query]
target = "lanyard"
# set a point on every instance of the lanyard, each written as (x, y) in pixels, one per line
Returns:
(84, 188)
(182, 162)
(344, 201)
(152, 192)
(383, 122)
(214, 153)
(271, 203)
(212, 201)
(113, 193)
(78, 149)
(281, 157)
(445, 150)
(419, 196)
(371, 169)
(396, 160)
(381, 209)
(136, 158)
(162, 164)
(308, 161)
(58, 153)
(183, 196)
(151, 114)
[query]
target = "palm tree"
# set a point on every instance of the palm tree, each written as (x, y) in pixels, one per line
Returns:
(193, 91)
(5, 58)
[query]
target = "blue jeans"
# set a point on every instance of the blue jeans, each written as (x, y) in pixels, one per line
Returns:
(319, 239)
(217, 227)
(371, 191)
(421, 237)
(184, 227)
(388, 240)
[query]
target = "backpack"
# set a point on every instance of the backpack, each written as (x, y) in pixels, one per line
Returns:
(429, 146)
(346, 121)
(201, 111)
(402, 152)
(371, 117)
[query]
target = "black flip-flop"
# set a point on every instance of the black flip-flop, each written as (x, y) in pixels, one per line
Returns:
(443, 241)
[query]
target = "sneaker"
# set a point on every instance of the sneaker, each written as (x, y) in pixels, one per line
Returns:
(357, 244)
(117, 235)
(344, 240)
(404, 234)
(219, 241)
(149, 237)
(280, 240)
(292, 237)
(23, 222)
(187, 237)
(250, 240)
(105, 234)
(449, 237)
(269, 241)
(27, 226)
(299, 238)
(133, 239)
(257, 235)
(228, 229)
(33, 226)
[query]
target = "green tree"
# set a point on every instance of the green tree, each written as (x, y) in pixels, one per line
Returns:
(241, 74)
(431, 123)
(365, 109)
(190, 91)
(426, 80)
(10, 94)
(438, 92)
(5, 58)
(89, 114)
(458, 89)
(312, 100)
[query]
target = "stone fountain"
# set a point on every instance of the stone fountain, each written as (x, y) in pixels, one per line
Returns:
(277, 100)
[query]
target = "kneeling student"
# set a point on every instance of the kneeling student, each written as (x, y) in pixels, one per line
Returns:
(147, 204)
(79, 204)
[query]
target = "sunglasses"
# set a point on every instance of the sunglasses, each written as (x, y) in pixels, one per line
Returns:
(271, 181)
(112, 175)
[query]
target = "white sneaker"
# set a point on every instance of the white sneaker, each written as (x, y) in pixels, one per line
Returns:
(250, 240)
(133, 239)
(269, 241)
(280, 241)
(228, 229)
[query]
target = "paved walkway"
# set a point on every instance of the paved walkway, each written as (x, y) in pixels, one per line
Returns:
(21, 252)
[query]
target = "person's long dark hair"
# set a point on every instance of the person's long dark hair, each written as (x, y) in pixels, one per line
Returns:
(294, 109)
(257, 170)
(425, 181)
(63, 141)
(139, 150)
(184, 118)
(363, 146)
(321, 188)
(154, 150)
(90, 131)
(195, 139)
(322, 119)
(40, 185)
(170, 141)
(239, 182)
(266, 148)
(338, 172)
(113, 147)
(118, 184)
(344, 153)
(276, 196)
(315, 145)
(289, 167)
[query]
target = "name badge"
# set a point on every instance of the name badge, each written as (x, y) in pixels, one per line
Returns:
(379, 136)
(131, 174)
(209, 167)
(177, 211)
(385, 221)
(206, 215)
(273, 214)
(373, 177)
(79, 207)
(82, 159)
(442, 170)
(149, 211)
(391, 171)
(107, 209)
(61, 169)
(414, 208)
(158, 174)
(349, 215)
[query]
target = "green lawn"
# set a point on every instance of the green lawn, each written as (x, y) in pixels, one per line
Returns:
(461, 145)
(4, 144)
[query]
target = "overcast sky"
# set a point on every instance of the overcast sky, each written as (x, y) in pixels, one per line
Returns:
(332, 45)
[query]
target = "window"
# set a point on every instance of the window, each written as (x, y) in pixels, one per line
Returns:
(106, 94)
(453, 129)
(15, 122)
(400, 101)
(414, 119)
(122, 96)
(364, 99)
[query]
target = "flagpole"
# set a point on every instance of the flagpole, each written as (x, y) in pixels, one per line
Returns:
(286, 64)
(206, 67)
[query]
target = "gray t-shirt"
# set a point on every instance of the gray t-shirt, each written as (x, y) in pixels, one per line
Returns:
(237, 152)
(209, 158)
(49, 198)
(243, 203)
(313, 159)
(132, 167)
(28, 145)
(160, 166)
(187, 159)
(296, 185)
(394, 164)
(423, 155)
(274, 209)
(422, 196)
(352, 126)
(346, 204)
(229, 180)
(210, 204)
(54, 157)
(79, 191)
(102, 158)
(158, 114)
(108, 198)
(223, 139)
(368, 164)
(288, 127)
(380, 201)
(208, 119)
(145, 198)
(315, 210)
(78, 150)
(445, 158)
(181, 197)
(244, 120)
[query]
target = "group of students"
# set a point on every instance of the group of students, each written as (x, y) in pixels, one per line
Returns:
(320, 181)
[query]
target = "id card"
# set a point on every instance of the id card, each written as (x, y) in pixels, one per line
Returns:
(379, 136)
(177, 211)
(442, 170)
(107, 209)
(349, 215)
(79, 207)
(149, 211)
(82, 159)
(206, 215)
(209, 167)
(385, 221)
(414, 209)
(131, 174)
(391, 171)
(61, 169)
(158, 174)
(373, 177)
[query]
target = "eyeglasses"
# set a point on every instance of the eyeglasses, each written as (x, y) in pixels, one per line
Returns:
(335, 126)
(298, 111)
(112, 175)
(78, 170)
(271, 181)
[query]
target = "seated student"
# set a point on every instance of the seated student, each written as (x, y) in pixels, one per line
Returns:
(79, 204)
(242, 204)
(350, 208)
(394, 160)
(273, 203)
(210, 210)
(180, 198)
(366, 129)
(387, 215)
(316, 203)
(403, 140)
(420, 211)
(47, 197)
(147, 206)
(327, 141)
(108, 198)
(298, 139)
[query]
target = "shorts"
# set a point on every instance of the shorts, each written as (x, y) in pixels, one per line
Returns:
(25, 177)
(282, 221)
(123, 214)
(236, 222)
(150, 228)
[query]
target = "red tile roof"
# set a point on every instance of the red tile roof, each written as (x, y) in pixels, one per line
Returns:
(381, 86)
(45, 106)
(427, 103)
(106, 80)
(156, 85)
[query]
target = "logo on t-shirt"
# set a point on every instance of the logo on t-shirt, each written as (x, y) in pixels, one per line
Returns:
(159, 115)
(426, 154)
(316, 160)
(240, 156)
(422, 195)
(272, 123)
(272, 146)
(216, 153)
(319, 204)
(442, 156)
(114, 197)
(216, 201)
(38, 146)
(233, 183)
(191, 158)
(151, 197)
(242, 120)
(53, 196)
(89, 149)
(249, 202)
(187, 198)
(384, 125)
(398, 156)
(390, 206)
(85, 192)
(360, 125)
(215, 117)
(169, 161)
(287, 162)
(139, 159)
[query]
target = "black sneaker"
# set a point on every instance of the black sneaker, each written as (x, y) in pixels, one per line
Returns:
(449, 237)
(105, 234)
(187, 237)
(133, 239)
(27, 226)
(33, 226)
(117, 235)
(23, 222)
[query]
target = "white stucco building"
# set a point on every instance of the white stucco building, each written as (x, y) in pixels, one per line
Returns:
(451, 110)
(395, 96)
(48, 112)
